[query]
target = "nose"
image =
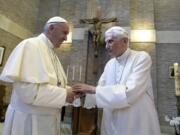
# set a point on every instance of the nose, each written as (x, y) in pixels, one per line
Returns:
(107, 46)
(65, 37)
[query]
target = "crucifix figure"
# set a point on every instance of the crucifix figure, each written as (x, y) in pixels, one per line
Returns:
(97, 25)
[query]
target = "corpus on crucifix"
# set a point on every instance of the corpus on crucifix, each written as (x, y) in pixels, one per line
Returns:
(97, 22)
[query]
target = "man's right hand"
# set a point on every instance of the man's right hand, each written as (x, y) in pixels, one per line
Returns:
(70, 95)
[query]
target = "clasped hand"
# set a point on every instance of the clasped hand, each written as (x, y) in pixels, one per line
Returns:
(83, 88)
(79, 90)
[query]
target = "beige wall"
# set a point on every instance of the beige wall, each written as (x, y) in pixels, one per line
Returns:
(22, 12)
(17, 19)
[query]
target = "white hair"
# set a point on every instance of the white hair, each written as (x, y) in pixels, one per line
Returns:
(117, 31)
(46, 26)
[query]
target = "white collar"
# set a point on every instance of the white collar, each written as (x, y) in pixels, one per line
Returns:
(123, 56)
(45, 38)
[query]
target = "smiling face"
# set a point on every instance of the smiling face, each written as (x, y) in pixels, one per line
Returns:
(116, 46)
(57, 33)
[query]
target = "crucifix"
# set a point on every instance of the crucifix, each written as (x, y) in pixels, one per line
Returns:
(97, 23)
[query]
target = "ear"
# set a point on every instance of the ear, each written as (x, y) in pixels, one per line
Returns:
(125, 40)
(51, 27)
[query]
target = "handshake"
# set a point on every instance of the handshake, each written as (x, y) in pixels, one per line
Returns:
(78, 91)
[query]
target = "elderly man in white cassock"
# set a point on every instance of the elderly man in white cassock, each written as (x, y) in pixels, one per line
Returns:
(124, 90)
(39, 83)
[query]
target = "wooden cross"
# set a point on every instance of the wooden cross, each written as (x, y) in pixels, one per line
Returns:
(97, 23)
(97, 26)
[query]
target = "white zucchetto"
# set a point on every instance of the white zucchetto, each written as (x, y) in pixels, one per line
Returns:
(56, 19)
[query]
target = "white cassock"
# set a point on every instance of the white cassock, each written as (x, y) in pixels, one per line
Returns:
(36, 101)
(126, 96)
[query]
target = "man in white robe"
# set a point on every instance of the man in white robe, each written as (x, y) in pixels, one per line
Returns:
(39, 83)
(124, 90)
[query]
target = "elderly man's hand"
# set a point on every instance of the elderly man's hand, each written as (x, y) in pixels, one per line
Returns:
(70, 95)
(84, 88)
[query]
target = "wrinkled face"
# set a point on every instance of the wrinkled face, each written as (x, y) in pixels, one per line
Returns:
(58, 33)
(115, 46)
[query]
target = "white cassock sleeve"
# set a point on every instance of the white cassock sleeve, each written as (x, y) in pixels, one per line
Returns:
(44, 95)
(90, 99)
(111, 96)
(123, 95)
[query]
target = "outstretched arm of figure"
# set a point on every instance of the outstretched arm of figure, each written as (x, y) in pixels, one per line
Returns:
(108, 20)
(88, 21)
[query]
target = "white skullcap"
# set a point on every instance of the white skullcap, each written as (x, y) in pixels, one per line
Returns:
(56, 19)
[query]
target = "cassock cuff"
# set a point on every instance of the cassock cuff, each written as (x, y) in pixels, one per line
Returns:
(111, 96)
(51, 96)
